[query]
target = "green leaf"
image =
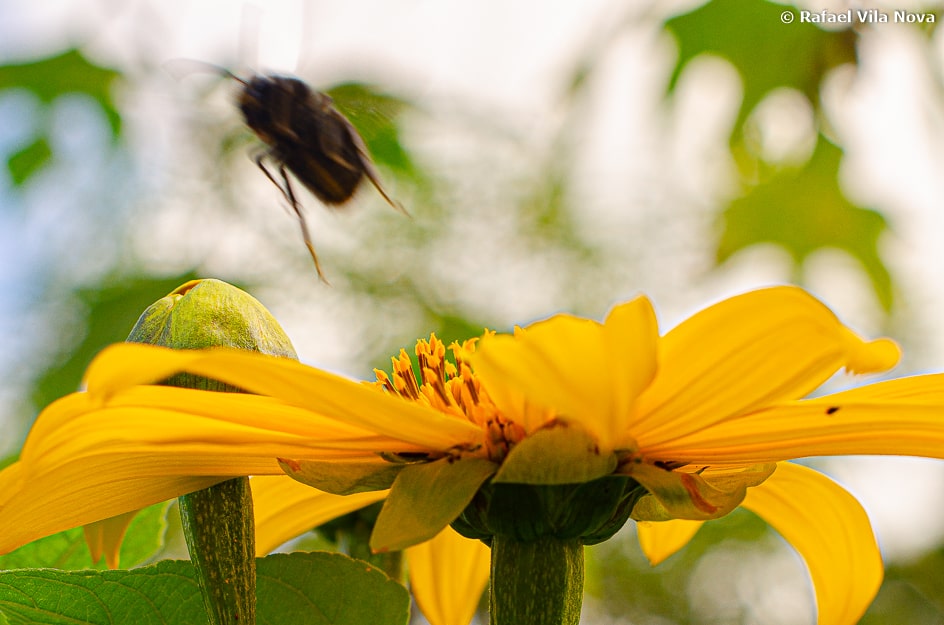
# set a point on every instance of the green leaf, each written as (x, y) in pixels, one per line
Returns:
(27, 161)
(804, 211)
(157, 595)
(311, 588)
(69, 72)
(375, 114)
(425, 498)
(327, 589)
(67, 550)
(556, 455)
(767, 53)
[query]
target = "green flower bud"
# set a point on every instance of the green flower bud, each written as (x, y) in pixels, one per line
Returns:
(211, 313)
(218, 521)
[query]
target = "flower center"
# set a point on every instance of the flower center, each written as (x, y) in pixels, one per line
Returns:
(453, 388)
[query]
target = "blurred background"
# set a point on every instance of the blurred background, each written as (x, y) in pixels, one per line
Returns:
(554, 156)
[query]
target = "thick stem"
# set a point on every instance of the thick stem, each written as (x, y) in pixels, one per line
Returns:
(218, 525)
(220, 529)
(536, 583)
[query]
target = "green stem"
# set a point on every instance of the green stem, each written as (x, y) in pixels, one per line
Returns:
(536, 583)
(218, 526)
(220, 529)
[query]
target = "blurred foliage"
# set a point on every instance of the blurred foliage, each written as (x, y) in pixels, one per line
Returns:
(47, 79)
(911, 593)
(803, 210)
(27, 161)
(621, 579)
(112, 310)
(767, 53)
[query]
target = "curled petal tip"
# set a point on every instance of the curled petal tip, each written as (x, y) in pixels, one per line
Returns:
(871, 356)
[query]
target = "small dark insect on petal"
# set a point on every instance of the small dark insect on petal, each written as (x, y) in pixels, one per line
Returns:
(832, 410)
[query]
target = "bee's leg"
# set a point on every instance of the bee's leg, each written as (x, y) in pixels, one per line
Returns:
(374, 178)
(290, 196)
(301, 221)
(259, 159)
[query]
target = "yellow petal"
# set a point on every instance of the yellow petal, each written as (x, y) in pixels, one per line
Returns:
(540, 357)
(51, 504)
(898, 417)
(659, 540)
(832, 533)
(84, 462)
(746, 353)
(631, 335)
(869, 356)
(582, 371)
(447, 576)
(104, 537)
(285, 509)
(326, 394)
(231, 418)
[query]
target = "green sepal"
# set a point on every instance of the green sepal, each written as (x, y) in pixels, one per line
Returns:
(591, 512)
(343, 478)
(425, 498)
(693, 496)
(559, 454)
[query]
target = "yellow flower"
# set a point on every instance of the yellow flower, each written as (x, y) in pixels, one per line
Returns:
(691, 425)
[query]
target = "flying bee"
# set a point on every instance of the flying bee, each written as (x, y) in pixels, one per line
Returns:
(306, 135)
